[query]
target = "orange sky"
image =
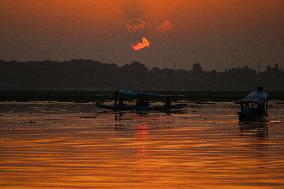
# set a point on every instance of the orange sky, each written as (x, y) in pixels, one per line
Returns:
(216, 33)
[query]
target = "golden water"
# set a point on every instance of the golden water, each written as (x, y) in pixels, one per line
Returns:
(67, 145)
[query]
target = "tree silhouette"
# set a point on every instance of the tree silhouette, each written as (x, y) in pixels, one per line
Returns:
(80, 74)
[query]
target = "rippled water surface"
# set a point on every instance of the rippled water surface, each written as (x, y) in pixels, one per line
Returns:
(69, 145)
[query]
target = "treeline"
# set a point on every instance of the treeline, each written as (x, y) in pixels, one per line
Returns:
(81, 74)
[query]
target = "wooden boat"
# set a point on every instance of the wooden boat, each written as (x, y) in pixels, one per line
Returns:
(254, 106)
(140, 108)
(142, 102)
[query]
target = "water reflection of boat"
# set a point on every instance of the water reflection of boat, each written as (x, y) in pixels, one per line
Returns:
(254, 106)
(257, 128)
(142, 102)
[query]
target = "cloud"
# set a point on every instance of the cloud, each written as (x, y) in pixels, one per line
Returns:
(135, 25)
(165, 26)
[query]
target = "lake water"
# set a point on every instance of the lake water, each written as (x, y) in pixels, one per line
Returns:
(73, 145)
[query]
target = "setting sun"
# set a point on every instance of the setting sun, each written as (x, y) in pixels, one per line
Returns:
(141, 45)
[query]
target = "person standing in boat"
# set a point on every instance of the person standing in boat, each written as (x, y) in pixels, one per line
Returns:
(118, 102)
(168, 102)
(115, 98)
(261, 105)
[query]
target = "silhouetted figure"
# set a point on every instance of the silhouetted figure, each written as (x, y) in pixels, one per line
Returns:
(168, 102)
(260, 107)
(116, 98)
(120, 101)
(142, 102)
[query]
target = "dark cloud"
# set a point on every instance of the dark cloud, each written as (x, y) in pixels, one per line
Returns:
(135, 25)
(165, 26)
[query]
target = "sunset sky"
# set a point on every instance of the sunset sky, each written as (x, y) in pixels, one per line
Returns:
(218, 34)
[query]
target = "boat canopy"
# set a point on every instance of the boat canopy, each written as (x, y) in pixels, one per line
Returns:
(257, 96)
(137, 94)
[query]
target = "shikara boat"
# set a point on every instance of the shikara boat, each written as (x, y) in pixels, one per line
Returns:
(142, 102)
(254, 106)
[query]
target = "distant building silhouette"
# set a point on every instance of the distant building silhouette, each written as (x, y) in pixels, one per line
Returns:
(196, 68)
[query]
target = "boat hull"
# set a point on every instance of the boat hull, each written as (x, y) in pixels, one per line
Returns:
(141, 108)
(252, 116)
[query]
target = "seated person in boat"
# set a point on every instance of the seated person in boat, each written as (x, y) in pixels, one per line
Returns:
(142, 102)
